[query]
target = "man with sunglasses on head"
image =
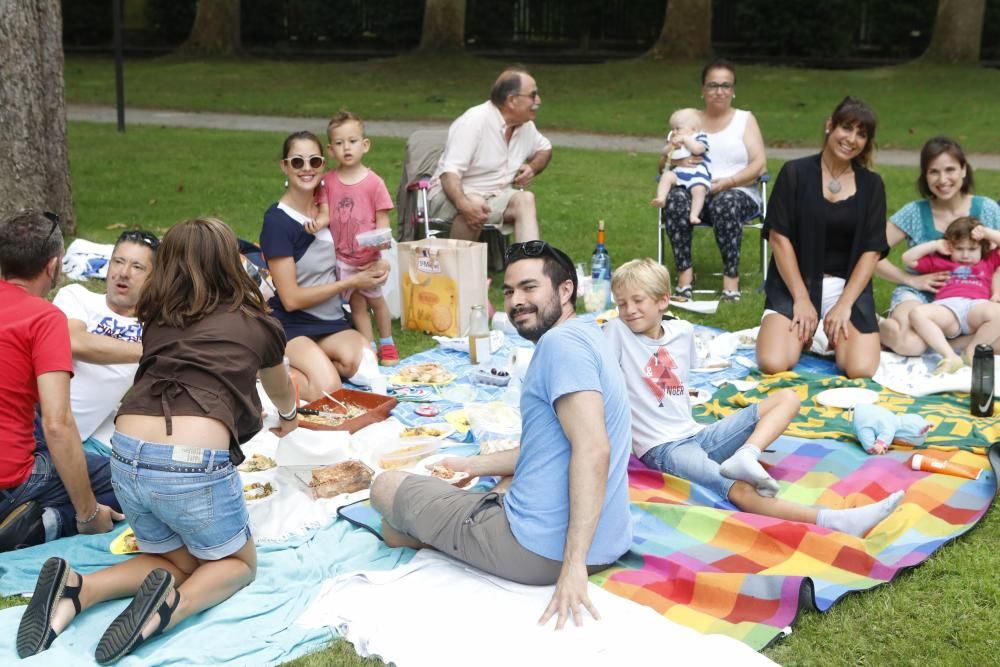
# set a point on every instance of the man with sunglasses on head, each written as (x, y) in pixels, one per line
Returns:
(106, 338)
(49, 488)
(565, 514)
(492, 154)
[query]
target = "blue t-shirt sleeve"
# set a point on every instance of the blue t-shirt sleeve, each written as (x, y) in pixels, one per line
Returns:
(277, 236)
(584, 374)
(908, 221)
(990, 213)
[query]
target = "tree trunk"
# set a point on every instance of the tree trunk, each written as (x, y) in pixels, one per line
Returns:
(34, 170)
(687, 30)
(216, 29)
(958, 32)
(444, 26)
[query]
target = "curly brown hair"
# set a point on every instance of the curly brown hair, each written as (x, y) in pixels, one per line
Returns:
(960, 229)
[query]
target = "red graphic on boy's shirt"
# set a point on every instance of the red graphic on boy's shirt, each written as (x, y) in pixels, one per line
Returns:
(659, 376)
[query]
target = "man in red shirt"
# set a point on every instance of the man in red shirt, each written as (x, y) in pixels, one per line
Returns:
(49, 488)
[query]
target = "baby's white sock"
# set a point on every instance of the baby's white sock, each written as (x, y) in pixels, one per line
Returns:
(859, 520)
(744, 465)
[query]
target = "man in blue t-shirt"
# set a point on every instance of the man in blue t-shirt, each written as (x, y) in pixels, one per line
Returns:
(566, 512)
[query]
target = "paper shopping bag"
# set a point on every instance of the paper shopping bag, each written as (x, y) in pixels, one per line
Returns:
(440, 280)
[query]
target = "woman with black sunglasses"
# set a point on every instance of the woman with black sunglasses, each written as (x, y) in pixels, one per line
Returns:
(322, 345)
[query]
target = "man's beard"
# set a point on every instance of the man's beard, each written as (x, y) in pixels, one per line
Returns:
(546, 318)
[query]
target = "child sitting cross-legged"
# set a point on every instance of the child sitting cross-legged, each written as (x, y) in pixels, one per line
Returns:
(656, 357)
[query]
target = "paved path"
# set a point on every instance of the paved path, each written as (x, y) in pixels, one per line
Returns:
(403, 129)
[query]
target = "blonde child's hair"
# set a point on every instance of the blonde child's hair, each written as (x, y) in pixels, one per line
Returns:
(649, 276)
(687, 117)
(343, 117)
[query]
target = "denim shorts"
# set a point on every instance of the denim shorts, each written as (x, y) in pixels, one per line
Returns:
(698, 457)
(176, 496)
(904, 293)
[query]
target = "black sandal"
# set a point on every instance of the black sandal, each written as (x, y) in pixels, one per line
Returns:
(35, 633)
(124, 635)
(685, 293)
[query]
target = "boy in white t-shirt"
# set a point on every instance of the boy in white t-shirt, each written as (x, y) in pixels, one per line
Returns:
(656, 356)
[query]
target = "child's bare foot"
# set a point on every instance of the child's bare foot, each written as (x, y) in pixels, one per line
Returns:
(658, 203)
(695, 220)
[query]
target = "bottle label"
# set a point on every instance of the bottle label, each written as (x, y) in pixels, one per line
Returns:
(479, 349)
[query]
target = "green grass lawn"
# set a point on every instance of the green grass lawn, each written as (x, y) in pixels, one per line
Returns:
(151, 177)
(634, 97)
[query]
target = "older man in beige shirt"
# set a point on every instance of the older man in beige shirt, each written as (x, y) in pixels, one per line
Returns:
(493, 153)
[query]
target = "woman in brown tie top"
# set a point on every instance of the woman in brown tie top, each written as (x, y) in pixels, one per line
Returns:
(207, 335)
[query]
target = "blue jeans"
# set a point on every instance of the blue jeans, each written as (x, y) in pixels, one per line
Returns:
(45, 486)
(698, 457)
(175, 496)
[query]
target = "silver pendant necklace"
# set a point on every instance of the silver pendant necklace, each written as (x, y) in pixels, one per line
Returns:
(833, 185)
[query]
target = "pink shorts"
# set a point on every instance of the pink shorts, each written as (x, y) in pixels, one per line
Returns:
(345, 271)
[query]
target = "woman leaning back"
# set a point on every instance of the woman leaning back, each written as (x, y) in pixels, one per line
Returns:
(946, 185)
(736, 148)
(825, 222)
(207, 334)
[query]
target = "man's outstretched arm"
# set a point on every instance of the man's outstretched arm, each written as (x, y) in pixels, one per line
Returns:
(581, 415)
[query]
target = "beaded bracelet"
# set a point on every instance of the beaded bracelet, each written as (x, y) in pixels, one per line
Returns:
(290, 416)
(83, 522)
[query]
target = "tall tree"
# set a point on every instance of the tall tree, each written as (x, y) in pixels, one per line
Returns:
(34, 170)
(687, 30)
(216, 29)
(958, 32)
(444, 26)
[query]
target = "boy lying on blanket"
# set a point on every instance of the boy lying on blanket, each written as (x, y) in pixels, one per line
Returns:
(656, 356)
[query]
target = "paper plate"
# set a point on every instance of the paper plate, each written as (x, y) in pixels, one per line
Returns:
(118, 546)
(846, 397)
(422, 469)
(415, 394)
(250, 494)
(437, 430)
(703, 396)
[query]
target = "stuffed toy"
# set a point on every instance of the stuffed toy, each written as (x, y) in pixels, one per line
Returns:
(878, 428)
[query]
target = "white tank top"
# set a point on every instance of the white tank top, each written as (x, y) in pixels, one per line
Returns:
(729, 153)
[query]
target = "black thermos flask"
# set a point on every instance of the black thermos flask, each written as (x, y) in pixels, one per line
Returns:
(981, 392)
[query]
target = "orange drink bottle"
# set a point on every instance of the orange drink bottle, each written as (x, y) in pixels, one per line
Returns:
(928, 464)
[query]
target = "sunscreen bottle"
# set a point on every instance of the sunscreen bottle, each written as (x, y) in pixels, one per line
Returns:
(927, 464)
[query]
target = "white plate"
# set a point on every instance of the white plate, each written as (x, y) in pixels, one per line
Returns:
(704, 396)
(846, 397)
(258, 501)
(421, 469)
(445, 428)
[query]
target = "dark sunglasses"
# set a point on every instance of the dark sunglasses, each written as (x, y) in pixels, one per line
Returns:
(139, 236)
(297, 161)
(54, 218)
(539, 248)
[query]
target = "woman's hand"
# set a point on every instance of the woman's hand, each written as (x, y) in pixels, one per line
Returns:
(835, 323)
(722, 184)
(928, 282)
(804, 320)
(371, 275)
(690, 161)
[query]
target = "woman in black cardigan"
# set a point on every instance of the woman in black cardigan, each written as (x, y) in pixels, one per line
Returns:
(826, 225)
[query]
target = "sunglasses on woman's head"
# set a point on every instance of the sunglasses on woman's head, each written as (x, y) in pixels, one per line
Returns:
(298, 162)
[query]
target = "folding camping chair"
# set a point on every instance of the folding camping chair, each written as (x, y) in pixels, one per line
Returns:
(423, 150)
(747, 224)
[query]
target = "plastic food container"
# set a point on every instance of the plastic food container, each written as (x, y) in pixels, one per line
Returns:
(376, 406)
(374, 237)
(492, 376)
(405, 452)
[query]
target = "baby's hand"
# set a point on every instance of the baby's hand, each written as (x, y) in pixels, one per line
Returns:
(658, 203)
(943, 247)
(314, 226)
(978, 233)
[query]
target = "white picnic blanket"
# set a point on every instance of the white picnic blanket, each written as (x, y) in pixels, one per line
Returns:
(437, 611)
(85, 259)
(914, 375)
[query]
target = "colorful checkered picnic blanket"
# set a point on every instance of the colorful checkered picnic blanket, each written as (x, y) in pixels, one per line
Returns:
(704, 565)
(953, 426)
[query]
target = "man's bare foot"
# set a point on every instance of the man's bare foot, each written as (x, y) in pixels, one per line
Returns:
(65, 611)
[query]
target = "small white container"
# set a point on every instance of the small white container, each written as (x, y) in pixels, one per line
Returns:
(374, 238)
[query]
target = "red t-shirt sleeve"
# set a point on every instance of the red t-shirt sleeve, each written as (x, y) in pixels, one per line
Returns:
(51, 349)
(934, 262)
(383, 201)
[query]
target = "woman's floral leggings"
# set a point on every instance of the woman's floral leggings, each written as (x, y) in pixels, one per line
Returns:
(726, 213)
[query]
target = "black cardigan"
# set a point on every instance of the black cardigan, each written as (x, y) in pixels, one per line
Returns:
(795, 210)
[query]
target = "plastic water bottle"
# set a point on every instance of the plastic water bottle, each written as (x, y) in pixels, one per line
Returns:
(981, 392)
(479, 336)
(600, 266)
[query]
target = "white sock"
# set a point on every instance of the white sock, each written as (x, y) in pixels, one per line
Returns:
(859, 520)
(744, 465)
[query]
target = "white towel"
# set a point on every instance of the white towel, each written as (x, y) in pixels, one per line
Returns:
(437, 611)
(914, 375)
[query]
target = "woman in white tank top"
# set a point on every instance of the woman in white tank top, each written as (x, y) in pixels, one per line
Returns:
(737, 149)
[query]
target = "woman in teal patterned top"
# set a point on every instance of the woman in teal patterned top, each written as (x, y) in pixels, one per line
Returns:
(946, 184)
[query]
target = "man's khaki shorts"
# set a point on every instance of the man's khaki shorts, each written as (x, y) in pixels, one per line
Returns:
(471, 527)
(441, 208)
